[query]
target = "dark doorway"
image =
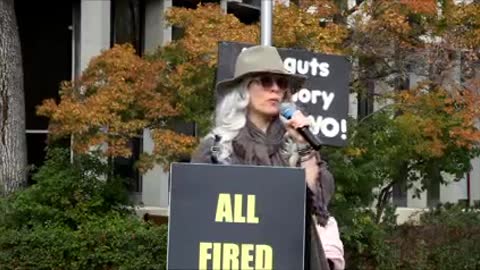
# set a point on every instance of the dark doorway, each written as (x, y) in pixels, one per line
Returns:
(46, 38)
(127, 20)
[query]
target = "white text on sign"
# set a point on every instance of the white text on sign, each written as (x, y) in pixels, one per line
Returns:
(304, 67)
(306, 96)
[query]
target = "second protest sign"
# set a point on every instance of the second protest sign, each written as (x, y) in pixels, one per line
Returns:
(325, 94)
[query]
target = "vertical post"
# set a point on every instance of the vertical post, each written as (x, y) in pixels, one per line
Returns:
(266, 22)
(94, 29)
(224, 6)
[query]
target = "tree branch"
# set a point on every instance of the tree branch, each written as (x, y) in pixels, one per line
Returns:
(383, 198)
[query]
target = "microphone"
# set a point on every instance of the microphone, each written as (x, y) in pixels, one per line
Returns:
(287, 110)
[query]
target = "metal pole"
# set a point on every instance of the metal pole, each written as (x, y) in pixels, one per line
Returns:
(266, 22)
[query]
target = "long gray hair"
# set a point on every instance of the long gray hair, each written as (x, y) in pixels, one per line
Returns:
(231, 116)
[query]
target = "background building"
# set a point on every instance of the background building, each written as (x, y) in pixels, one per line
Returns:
(59, 39)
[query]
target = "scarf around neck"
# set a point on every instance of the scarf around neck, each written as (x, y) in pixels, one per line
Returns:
(252, 146)
(255, 147)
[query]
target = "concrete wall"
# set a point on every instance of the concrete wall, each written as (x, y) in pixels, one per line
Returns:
(155, 182)
(94, 29)
(157, 32)
(453, 191)
(475, 181)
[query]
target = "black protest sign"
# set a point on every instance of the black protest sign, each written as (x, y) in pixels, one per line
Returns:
(236, 217)
(324, 96)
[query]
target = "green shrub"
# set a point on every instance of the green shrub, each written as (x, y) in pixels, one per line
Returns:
(110, 242)
(65, 193)
(446, 238)
(75, 217)
(452, 215)
(365, 242)
(437, 247)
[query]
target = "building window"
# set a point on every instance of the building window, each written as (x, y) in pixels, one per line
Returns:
(366, 100)
(178, 32)
(125, 167)
(127, 23)
(247, 11)
(399, 194)
(47, 61)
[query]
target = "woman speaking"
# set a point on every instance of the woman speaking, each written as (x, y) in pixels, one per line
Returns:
(250, 131)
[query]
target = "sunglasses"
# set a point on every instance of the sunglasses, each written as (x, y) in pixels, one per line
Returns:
(267, 81)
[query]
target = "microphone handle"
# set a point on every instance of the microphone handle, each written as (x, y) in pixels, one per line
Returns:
(309, 137)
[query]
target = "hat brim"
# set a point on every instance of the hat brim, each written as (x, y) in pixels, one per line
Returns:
(296, 81)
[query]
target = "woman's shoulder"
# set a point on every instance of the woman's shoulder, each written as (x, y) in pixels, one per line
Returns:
(203, 152)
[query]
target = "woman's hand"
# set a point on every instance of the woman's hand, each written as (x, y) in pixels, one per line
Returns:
(310, 165)
(298, 120)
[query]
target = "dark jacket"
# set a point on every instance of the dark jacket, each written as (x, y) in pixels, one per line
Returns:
(255, 148)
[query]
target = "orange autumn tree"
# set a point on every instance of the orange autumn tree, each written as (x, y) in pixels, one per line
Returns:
(117, 97)
(392, 39)
(120, 94)
(429, 128)
(437, 41)
(423, 57)
(193, 58)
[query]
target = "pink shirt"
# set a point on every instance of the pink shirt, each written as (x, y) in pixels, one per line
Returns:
(332, 244)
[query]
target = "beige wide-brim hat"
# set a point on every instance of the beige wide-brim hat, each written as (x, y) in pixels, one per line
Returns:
(255, 60)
